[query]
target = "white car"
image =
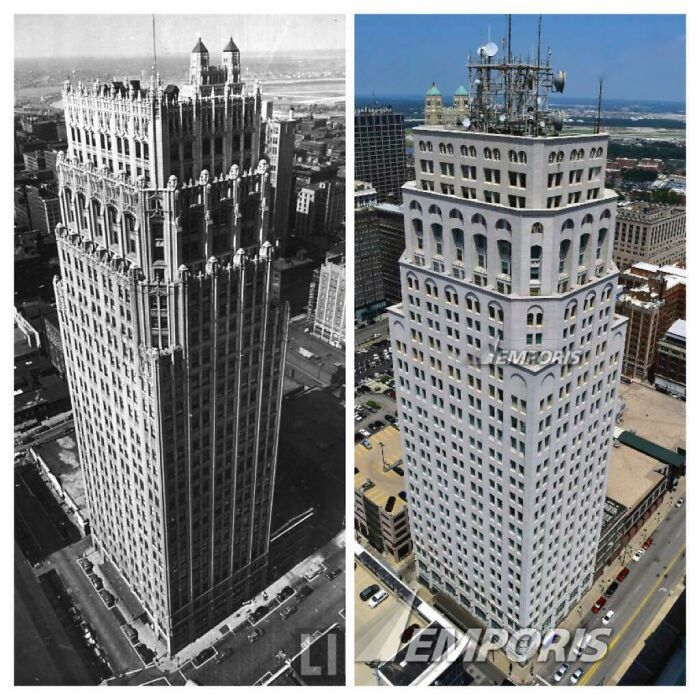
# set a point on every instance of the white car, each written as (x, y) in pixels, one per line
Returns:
(560, 672)
(377, 598)
(365, 433)
(638, 554)
(575, 676)
(608, 617)
(680, 502)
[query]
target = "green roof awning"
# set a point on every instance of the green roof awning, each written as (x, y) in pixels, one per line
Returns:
(651, 449)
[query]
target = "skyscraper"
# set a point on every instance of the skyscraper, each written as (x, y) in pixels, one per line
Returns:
(173, 335)
(509, 235)
(380, 150)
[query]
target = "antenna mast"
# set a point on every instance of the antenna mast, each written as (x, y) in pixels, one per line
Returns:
(155, 57)
(600, 106)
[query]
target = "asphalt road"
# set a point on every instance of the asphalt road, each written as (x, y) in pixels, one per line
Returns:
(636, 602)
(250, 661)
(371, 333)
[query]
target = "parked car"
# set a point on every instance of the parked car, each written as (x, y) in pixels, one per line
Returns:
(107, 597)
(304, 592)
(131, 634)
(611, 588)
(366, 444)
(575, 676)
(378, 598)
(364, 432)
(96, 582)
(286, 592)
(255, 634)
(368, 592)
(289, 610)
(680, 502)
(85, 564)
(330, 575)
(389, 418)
(560, 672)
(598, 605)
(638, 555)
(647, 543)
(622, 575)
(224, 654)
(608, 617)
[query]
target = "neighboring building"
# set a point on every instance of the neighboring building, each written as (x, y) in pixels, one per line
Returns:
(174, 339)
(642, 308)
(380, 150)
(329, 317)
(320, 210)
(670, 365)
(381, 514)
(379, 243)
(44, 208)
(509, 238)
(279, 148)
(436, 113)
(651, 233)
(53, 345)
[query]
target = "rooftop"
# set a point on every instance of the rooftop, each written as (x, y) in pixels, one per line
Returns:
(381, 477)
(632, 475)
(61, 457)
(648, 213)
(678, 329)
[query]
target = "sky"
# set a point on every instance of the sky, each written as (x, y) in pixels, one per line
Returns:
(46, 36)
(639, 57)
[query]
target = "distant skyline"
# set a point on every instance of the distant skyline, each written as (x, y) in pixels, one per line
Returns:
(117, 36)
(638, 56)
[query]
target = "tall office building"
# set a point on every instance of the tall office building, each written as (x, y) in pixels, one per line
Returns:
(329, 314)
(173, 336)
(380, 150)
(509, 235)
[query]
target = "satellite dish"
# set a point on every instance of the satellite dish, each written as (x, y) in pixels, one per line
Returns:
(559, 80)
(490, 49)
(558, 121)
(466, 122)
(502, 118)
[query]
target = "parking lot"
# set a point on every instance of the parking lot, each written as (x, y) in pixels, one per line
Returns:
(383, 406)
(373, 361)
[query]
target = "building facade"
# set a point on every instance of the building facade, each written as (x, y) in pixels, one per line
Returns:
(651, 233)
(329, 316)
(509, 239)
(380, 151)
(173, 337)
(671, 360)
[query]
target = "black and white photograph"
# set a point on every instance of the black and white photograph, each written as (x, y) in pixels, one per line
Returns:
(179, 361)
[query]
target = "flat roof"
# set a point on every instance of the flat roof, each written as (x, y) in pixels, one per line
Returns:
(386, 481)
(632, 476)
(61, 457)
(678, 329)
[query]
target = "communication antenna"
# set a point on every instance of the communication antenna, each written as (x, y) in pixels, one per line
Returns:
(600, 106)
(155, 57)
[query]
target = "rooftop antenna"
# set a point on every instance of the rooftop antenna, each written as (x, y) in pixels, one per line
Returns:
(537, 74)
(155, 57)
(600, 106)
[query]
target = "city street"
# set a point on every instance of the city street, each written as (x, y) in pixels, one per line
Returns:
(636, 603)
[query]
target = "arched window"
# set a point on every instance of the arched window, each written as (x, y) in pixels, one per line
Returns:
(415, 205)
(472, 151)
(473, 305)
(456, 214)
(605, 214)
(587, 220)
(81, 205)
(442, 148)
(97, 217)
(535, 316)
(450, 295)
(463, 151)
(435, 209)
(570, 311)
(421, 145)
(537, 227)
(560, 157)
(581, 154)
(582, 250)
(113, 224)
(564, 248)
(418, 230)
(450, 149)
(131, 234)
(480, 248)
(478, 219)
(437, 238)
(495, 312)
(505, 257)
(496, 154)
(68, 199)
(568, 225)
(513, 156)
(522, 157)
(593, 152)
(458, 241)
(599, 152)
(431, 289)
(602, 236)
(487, 154)
(503, 225)
(535, 262)
(430, 146)
(573, 155)
(552, 157)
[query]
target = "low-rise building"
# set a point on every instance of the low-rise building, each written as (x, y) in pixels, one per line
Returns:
(670, 364)
(329, 316)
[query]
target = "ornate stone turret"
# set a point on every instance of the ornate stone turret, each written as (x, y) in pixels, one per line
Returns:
(232, 62)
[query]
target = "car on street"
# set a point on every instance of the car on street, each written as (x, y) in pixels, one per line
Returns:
(366, 444)
(204, 656)
(85, 565)
(560, 672)
(96, 582)
(304, 592)
(255, 634)
(638, 555)
(330, 575)
(286, 592)
(611, 588)
(258, 613)
(224, 654)
(647, 543)
(131, 634)
(289, 610)
(598, 605)
(378, 598)
(367, 593)
(622, 575)
(680, 502)
(608, 617)
(107, 597)
(575, 676)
